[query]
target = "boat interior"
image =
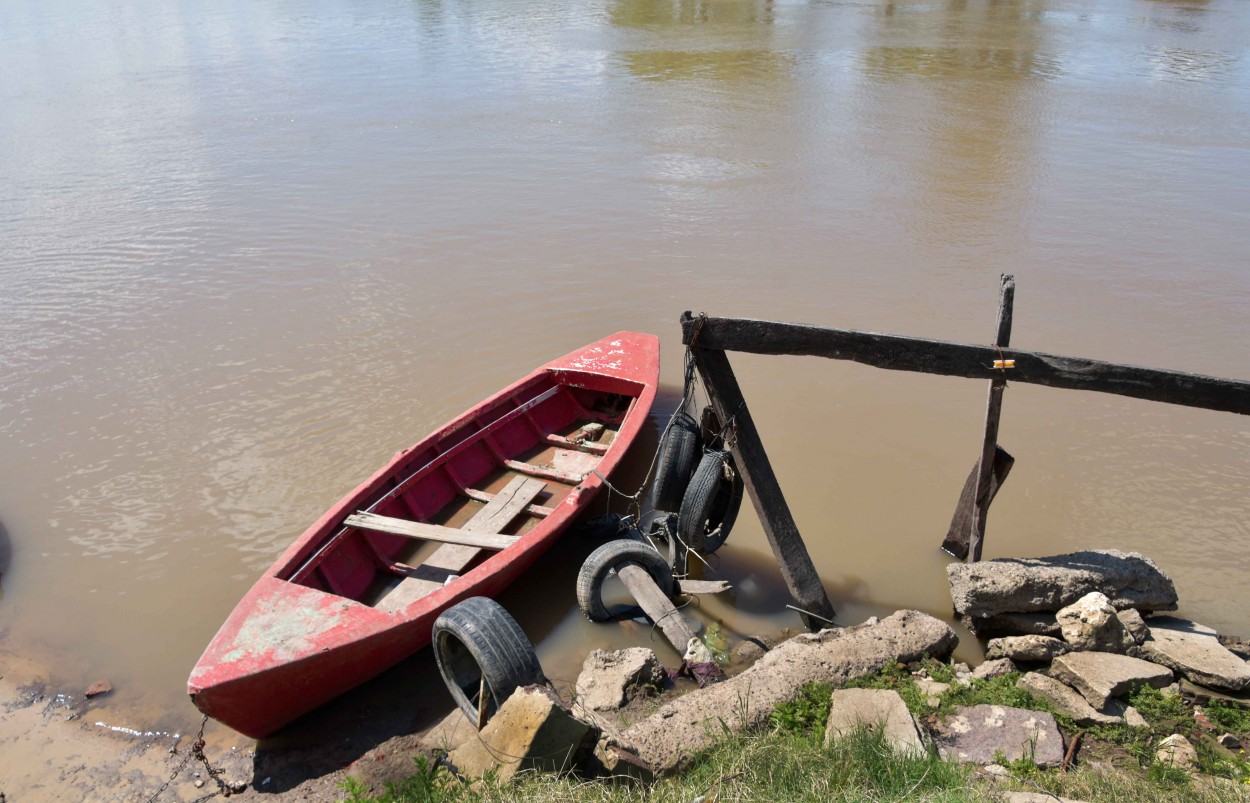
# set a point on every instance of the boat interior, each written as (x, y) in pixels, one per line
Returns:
(465, 493)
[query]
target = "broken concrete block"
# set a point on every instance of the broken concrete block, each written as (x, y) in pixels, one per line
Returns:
(1033, 649)
(1023, 585)
(532, 730)
(932, 690)
(878, 709)
(1176, 751)
(1195, 652)
(1134, 719)
(1134, 624)
(1100, 676)
(1065, 699)
(1091, 623)
(1012, 624)
(669, 738)
(974, 735)
(995, 669)
(612, 678)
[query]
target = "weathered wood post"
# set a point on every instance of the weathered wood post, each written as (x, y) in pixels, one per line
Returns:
(744, 443)
(986, 487)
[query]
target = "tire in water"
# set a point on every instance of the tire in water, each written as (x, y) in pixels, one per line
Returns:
(611, 556)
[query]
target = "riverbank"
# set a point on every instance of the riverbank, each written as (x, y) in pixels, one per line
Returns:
(60, 745)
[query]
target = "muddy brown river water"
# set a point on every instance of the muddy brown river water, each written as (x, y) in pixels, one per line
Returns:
(249, 250)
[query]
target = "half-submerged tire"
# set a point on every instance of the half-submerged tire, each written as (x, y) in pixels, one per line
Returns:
(475, 640)
(679, 454)
(711, 504)
(611, 556)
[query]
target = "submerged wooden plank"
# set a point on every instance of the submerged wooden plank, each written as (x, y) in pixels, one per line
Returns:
(743, 440)
(960, 532)
(898, 353)
(428, 532)
(657, 606)
(687, 586)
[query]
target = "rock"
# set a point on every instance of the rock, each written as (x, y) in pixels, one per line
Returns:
(1176, 751)
(1065, 700)
(98, 688)
(879, 709)
(1091, 624)
(932, 690)
(963, 673)
(666, 741)
(1134, 719)
(974, 735)
(1012, 624)
(1230, 741)
(1203, 695)
(1195, 652)
(1134, 624)
(994, 669)
(1237, 646)
(532, 730)
(1024, 585)
(1036, 649)
(996, 771)
(1099, 676)
(612, 678)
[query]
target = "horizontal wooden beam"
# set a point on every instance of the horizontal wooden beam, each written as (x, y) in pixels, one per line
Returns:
(428, 532)
(899, 353)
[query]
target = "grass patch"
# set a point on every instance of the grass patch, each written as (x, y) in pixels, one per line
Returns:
(1232, 718)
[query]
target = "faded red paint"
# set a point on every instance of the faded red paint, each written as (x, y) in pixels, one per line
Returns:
(289, 647)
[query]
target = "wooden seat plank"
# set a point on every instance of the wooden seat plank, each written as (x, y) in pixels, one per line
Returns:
(450, 558)
(428, 532)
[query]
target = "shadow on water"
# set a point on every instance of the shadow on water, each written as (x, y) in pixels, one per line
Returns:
(411, 697)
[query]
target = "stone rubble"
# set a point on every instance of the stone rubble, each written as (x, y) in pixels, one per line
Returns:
(1177, 751)
(1100, 676)
(611, 679)
(1194, 651)
(1065, 699)
(1026, 649)
(976, 734)
(1032, 585)
(879, 709)
(1091, 624)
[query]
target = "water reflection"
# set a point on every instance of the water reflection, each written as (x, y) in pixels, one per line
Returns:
(663, 14)
(973, 103)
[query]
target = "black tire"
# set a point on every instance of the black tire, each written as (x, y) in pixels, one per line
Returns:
(478, 639)
(610, 556)
(679, 454)
(711, 504)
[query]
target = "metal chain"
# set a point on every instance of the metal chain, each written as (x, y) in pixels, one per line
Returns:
(197, 753)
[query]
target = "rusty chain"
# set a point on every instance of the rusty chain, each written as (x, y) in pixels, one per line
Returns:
(196, 753)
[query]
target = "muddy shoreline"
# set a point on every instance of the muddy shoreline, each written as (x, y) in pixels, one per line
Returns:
(59, 745)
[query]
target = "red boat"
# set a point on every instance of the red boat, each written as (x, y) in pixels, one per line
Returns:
(462, 513)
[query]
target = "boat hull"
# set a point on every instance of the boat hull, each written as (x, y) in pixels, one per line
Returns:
(307, 631)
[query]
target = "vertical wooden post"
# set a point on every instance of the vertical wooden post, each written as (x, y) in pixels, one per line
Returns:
(993, 410)
(744, 443)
